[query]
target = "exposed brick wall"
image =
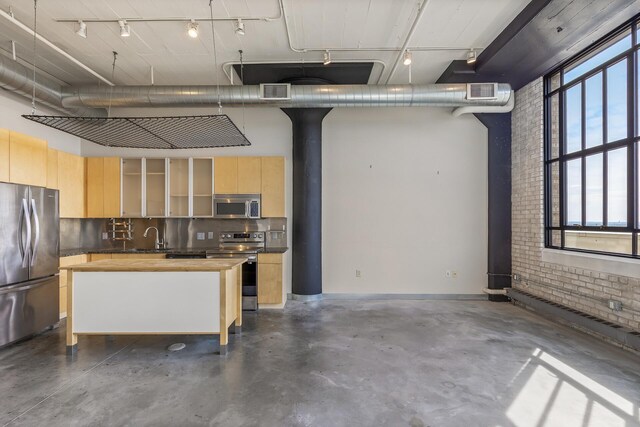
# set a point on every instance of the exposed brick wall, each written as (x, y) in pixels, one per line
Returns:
(578, 288)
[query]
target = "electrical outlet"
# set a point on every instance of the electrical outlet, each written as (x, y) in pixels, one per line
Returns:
(447, 274)
(210, 235)
(454, 274)
(105, 236)
(615, 305)
(200, 236)
(358, 273)
(516, 277)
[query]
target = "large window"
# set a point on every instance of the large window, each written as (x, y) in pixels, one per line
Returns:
(591, 149)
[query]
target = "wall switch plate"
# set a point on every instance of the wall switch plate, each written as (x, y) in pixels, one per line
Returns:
(615, 305)
(200, 236)
(358, 273)
(210, 235)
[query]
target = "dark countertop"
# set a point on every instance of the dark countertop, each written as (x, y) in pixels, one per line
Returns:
(83, 251)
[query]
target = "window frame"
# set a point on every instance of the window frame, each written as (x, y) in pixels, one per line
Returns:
(631, 143)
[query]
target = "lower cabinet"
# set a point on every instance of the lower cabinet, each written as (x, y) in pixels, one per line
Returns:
(64, 262)
(269, 278)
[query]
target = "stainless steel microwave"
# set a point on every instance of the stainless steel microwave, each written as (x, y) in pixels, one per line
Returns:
(236, 206)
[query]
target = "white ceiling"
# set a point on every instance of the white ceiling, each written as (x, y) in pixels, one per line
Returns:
(313, 24)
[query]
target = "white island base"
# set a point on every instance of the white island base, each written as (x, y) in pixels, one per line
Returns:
(154, 297)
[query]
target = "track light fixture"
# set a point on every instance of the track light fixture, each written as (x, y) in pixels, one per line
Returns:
(125, 30)
(82, 29)
(471, 57)
(239, 27)
(192, 29)
(407, 58)
(327, 58)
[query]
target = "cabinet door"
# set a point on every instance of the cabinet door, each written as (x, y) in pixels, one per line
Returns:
(131, 188)
(4, 155)
(95, 187)
(272, 187)
(62, 278)
(155, 181)
(98, 257)
(71, 182)
(202, 187)
(111, 187)
(269, 283)
(27, 160)
(52, 168)
(226, 175)
(249, 175)
(178, 187)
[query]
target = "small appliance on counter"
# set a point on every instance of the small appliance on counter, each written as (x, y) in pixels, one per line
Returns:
(232, 206)
(29, 249)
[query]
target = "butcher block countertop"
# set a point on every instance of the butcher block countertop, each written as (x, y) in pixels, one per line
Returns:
(219, 264)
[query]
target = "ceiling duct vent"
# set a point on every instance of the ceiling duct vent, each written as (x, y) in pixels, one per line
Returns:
(482, 91)
(275, 91)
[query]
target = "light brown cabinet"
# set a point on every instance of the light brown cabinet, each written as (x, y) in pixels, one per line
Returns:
(103, 187)
(27, 159)
(71, 183)
(138, 256)
(225, 175)
(4, 155)
(52, 168)
(270, 279)
(272, 187)
(64, 262)
(249, 175)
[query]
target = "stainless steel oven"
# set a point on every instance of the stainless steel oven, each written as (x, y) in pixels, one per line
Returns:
(236, 206)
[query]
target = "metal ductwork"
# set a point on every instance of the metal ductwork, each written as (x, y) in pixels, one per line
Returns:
(301, 96)
(17, 78)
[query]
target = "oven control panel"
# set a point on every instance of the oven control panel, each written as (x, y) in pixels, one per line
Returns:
(244, 236)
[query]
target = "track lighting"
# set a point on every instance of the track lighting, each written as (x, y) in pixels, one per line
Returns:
(125, 30)
(82, 29)
(240, 27)
(192, 29)
(407, 58)
(471, 57)
(327, 58)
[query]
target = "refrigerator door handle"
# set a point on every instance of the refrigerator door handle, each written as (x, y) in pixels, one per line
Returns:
(24, 245)
(36, 243)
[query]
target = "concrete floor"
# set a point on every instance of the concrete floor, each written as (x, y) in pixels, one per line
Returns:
(333, 363)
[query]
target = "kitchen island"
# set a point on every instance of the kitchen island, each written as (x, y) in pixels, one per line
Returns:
(154, 297)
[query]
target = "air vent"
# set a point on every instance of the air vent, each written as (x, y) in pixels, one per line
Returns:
(482, 91)
(275, 91)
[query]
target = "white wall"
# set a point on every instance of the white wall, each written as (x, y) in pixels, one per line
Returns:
(12, 106)
(404, 199)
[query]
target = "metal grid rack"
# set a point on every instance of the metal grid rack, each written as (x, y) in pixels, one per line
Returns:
(150, 132)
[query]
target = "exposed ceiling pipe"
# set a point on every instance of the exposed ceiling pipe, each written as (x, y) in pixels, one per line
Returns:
(9, 17)
(407, 40)
(302, 96)
(473, 109)
(17, 78)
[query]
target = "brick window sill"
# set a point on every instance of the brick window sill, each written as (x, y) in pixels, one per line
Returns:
(602, 263)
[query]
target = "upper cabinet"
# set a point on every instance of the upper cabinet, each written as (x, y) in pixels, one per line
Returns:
(103, 187)
(4, 155)
(202, 187)
(27, 160)
(71, 183)
(179, 187)
(131, 187)
(272, 187)
(226, 175)
(249, 175)
(52, 168)
(155, 187)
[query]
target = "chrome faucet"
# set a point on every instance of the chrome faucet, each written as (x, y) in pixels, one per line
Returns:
(159, 243)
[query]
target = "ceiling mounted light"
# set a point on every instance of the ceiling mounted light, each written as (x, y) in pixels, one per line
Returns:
(82, 29)
(125, 30)
(327, 58)
(192, 29)
(471, 57)
(239, 27)
(407, 58)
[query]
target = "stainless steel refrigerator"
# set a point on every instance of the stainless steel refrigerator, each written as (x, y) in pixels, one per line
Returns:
(29, 249)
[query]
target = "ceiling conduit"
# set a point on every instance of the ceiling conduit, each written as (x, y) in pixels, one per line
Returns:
(302, 96)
